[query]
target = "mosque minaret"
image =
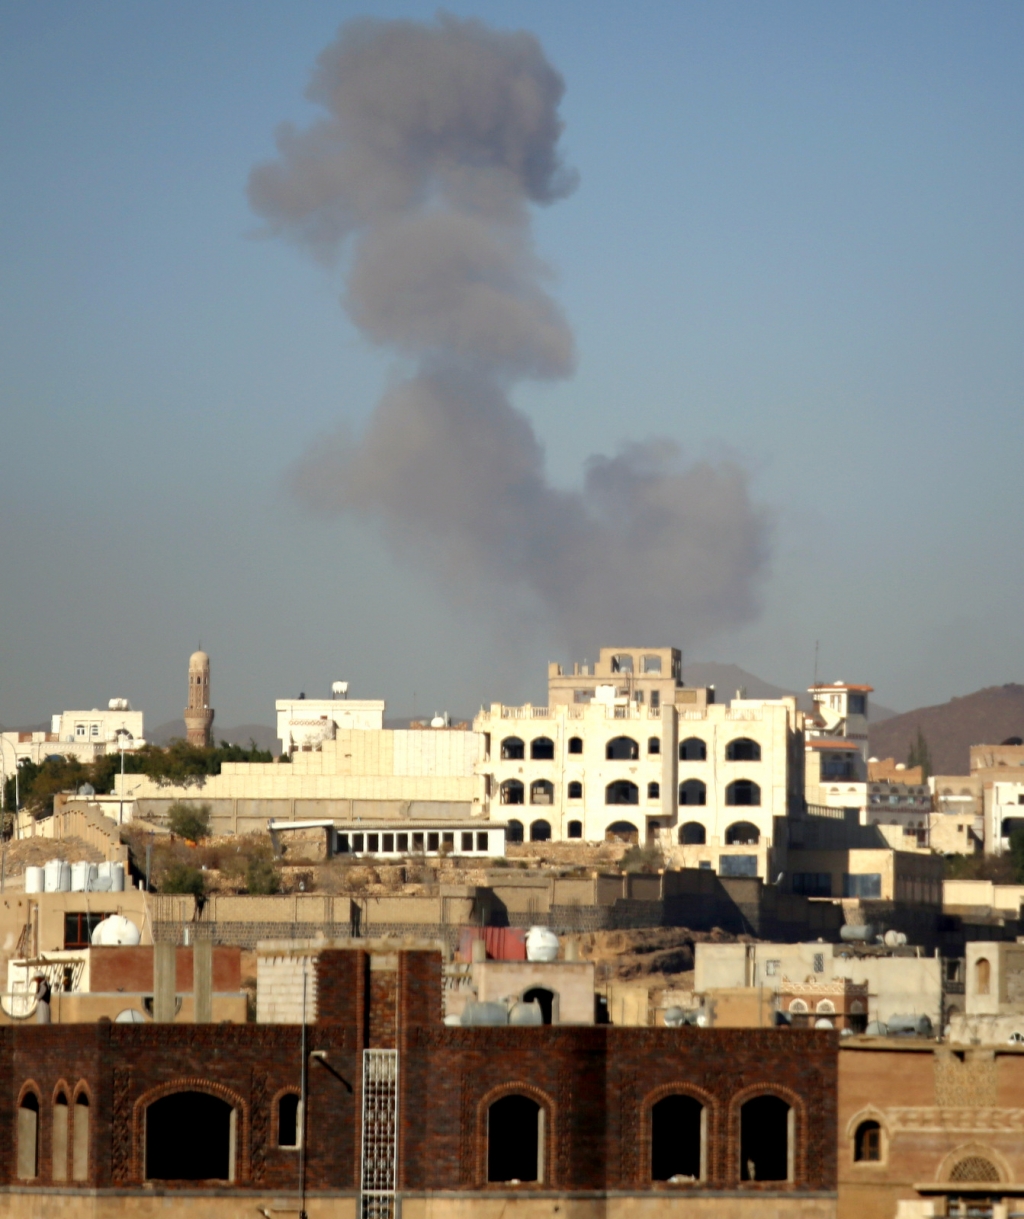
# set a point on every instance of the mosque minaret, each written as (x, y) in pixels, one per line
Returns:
(198, 713)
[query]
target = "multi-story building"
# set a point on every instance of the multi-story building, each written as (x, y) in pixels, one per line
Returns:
(80, 734)
(623, 749)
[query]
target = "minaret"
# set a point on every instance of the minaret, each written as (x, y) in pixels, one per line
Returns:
(198, 713)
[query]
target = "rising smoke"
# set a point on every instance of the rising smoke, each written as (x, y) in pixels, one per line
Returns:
(436, 140)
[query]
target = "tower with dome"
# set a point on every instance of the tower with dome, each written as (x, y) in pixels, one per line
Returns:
(198, 712)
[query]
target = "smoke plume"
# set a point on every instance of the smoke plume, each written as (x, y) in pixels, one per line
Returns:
(418, 180)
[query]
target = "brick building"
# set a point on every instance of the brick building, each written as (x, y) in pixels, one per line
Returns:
(399, 1106)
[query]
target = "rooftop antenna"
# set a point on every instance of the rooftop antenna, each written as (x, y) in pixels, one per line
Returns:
(816, 662)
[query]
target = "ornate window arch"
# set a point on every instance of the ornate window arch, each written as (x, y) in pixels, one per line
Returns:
(546, 1134)
(191, 1084)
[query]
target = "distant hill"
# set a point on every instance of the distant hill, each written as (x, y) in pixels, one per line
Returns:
(986, 717)
(265, 738)
(727, 679)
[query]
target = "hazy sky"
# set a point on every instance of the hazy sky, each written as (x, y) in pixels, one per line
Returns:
(796, 244)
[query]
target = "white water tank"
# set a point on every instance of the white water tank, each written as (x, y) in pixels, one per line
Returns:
(541, 944)
(34, 880)
(82, 873)
(115, 930)
(57, 876)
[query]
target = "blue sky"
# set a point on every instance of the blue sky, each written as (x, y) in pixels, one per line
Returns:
(796, 242)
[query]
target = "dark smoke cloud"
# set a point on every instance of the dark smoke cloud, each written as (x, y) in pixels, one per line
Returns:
(436, 139)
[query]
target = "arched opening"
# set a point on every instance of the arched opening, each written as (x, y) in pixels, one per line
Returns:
(825, 1007)
(515, 1140)
(622, 792)
(693, 749)
(743, 793)
(190, 1137)
(692, 834)
(575, 790)
(742, 834)
(974, 1168)
(677, 1129)
(540, 831)
(654, 744)
(575, 829)
(512, 792)
(80, 1139)
(545, 998)
(512, 749)
(513, 831)
(542, 791)
(28, 1137)
(867, 1143)
(653, 791)
(622, 749)
(575, 744)
(59, 1141)
(622, 831)
(743, 749)
(542, 749)
(765, 1137)
(288, 1120)
(693, 791)
(982, 976)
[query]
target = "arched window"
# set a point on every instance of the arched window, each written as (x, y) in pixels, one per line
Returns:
(622, 792)
(515, 1140)
(742, 834)
(622, 831)
(575, 744)
(59, 1142)
(575, 790)
(190, 1136)
(743, 749)
(512, 792)
(512, 749)
(654, 744)
(798, 1006)
(546, 999)
(575, 829)
(743, 792)
(765, 1140)
(692, 834)
(542, 749)
(867, 1143)
(826, 1007)
(80, 1139)
(693, 791)
(542, 792)
(653, 791)
(982, 976)
(28, 1137)
(974, 1168)
(540, 831)
(513, 831)
(693, 749)
(288, 1124)
(677, 1137)
(622, 749)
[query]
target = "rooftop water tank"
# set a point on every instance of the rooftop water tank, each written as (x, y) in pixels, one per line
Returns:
(115, 930)
(853, 933)
(526, 1013)
(475, 1014)
(541, 944)
(894, 939)
(34, 880)
(57, 876)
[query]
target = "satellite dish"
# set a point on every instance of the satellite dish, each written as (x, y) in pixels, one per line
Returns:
(130, 1015)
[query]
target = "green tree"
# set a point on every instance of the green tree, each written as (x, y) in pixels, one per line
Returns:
(261, 877)
(920, 755)
(183, 878)
(189, 821)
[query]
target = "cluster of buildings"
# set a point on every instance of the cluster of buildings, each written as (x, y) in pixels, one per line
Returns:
(852, 1046)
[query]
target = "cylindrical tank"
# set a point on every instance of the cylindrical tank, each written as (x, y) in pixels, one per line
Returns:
(857, 933)
(57, 876)
(115, 930)
(894, 939)
(909, 1026)
(35, 880)
(526, 1013)
(481, 1013)
(117, 878)
(541, 944)
(79, 876)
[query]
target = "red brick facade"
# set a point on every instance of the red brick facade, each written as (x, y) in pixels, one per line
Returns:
(595, 1084)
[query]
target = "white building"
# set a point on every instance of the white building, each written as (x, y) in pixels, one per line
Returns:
(303, 724)
(642, 757)
(81, 734)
